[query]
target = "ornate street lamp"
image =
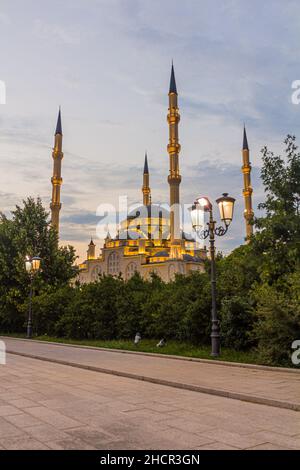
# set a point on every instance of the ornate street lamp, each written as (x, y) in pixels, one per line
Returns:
(200, 206)
(32, 266)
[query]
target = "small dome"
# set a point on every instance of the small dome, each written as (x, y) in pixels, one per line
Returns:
(191, 258)
(161, 254)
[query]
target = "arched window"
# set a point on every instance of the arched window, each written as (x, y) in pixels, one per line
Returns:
(114, 264)
(130, 270)
(95, 273)
(181, 268)
(172, 271)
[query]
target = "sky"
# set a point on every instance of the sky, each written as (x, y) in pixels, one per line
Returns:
(107, 64)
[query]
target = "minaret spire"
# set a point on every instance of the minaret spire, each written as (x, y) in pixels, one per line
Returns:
(146, 188)
(245, 140)
(58, 125)
(247, 191)
(146, 169)
(56, 179)
(174, 178)
(173, 88)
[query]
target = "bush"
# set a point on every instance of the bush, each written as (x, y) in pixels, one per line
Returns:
(131, 317)
(237, 320)
(278, 323)
(93, 311)
(49, 307)
(180, 310)
(12, 317)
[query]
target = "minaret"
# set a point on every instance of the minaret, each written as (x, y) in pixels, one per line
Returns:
(247, 191)
(174, 178)
(56, 179)
(146, 188)
(91, 252)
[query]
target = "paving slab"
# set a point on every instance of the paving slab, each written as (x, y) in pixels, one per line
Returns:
(125, 414)
(274, 387)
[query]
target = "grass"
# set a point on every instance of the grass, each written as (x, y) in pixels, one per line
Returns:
(174, 348)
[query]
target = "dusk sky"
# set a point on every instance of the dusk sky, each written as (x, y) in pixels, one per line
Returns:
(107, 63)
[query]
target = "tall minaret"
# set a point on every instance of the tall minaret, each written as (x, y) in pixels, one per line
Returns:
(146, 188)
(247, 191)
(56, 179)
(174, 178)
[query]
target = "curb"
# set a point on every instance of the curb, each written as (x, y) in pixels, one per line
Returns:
(212, 362)
(168, 383)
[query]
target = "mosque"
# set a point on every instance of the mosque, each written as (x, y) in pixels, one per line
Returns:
(150, 239)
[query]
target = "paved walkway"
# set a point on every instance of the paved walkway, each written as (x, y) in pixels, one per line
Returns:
(44, 405)
(278, 388)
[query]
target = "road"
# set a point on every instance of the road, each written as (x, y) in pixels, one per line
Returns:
(46, 405)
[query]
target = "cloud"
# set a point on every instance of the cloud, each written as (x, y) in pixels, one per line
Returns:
(56, 32)
(7, 202)
(109, 64)
(5, 19)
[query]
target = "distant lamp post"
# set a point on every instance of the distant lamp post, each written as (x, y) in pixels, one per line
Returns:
(226, 207)
(32, 266)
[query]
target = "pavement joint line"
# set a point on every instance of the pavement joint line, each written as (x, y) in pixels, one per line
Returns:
(193, 388)
(212, 362)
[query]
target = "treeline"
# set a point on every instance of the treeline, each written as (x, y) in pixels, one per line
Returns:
(264, 317)
(258, 283)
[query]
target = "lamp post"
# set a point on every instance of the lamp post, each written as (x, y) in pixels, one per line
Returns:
(226, 206)
(32, 266)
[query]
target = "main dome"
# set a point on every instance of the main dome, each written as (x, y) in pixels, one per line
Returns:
(144, 221)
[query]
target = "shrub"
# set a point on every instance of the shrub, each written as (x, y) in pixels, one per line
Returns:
(237, 320)
(278, 323)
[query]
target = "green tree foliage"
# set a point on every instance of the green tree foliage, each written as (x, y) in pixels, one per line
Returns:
(112, 308)
(49, 307)
(132, 315)
(278, 322)
(191, 295)
(278, 232)
(237, 274)
(29, 232)
(237, 323)
(94, 310)
(277, 246)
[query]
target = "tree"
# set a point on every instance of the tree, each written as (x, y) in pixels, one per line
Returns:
(277, 246)
(180, 309)
(29, 232)
(237, 272)
(237, 322)
(278, 232)
(131, 315)
(278, 325)
(93, 311)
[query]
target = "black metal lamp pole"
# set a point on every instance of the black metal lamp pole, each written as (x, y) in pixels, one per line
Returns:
(29, 322)
(215, 327)
(226, 205)
(32, 266)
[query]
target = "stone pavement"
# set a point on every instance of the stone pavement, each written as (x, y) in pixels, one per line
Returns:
(277, 387)
(44, 405)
